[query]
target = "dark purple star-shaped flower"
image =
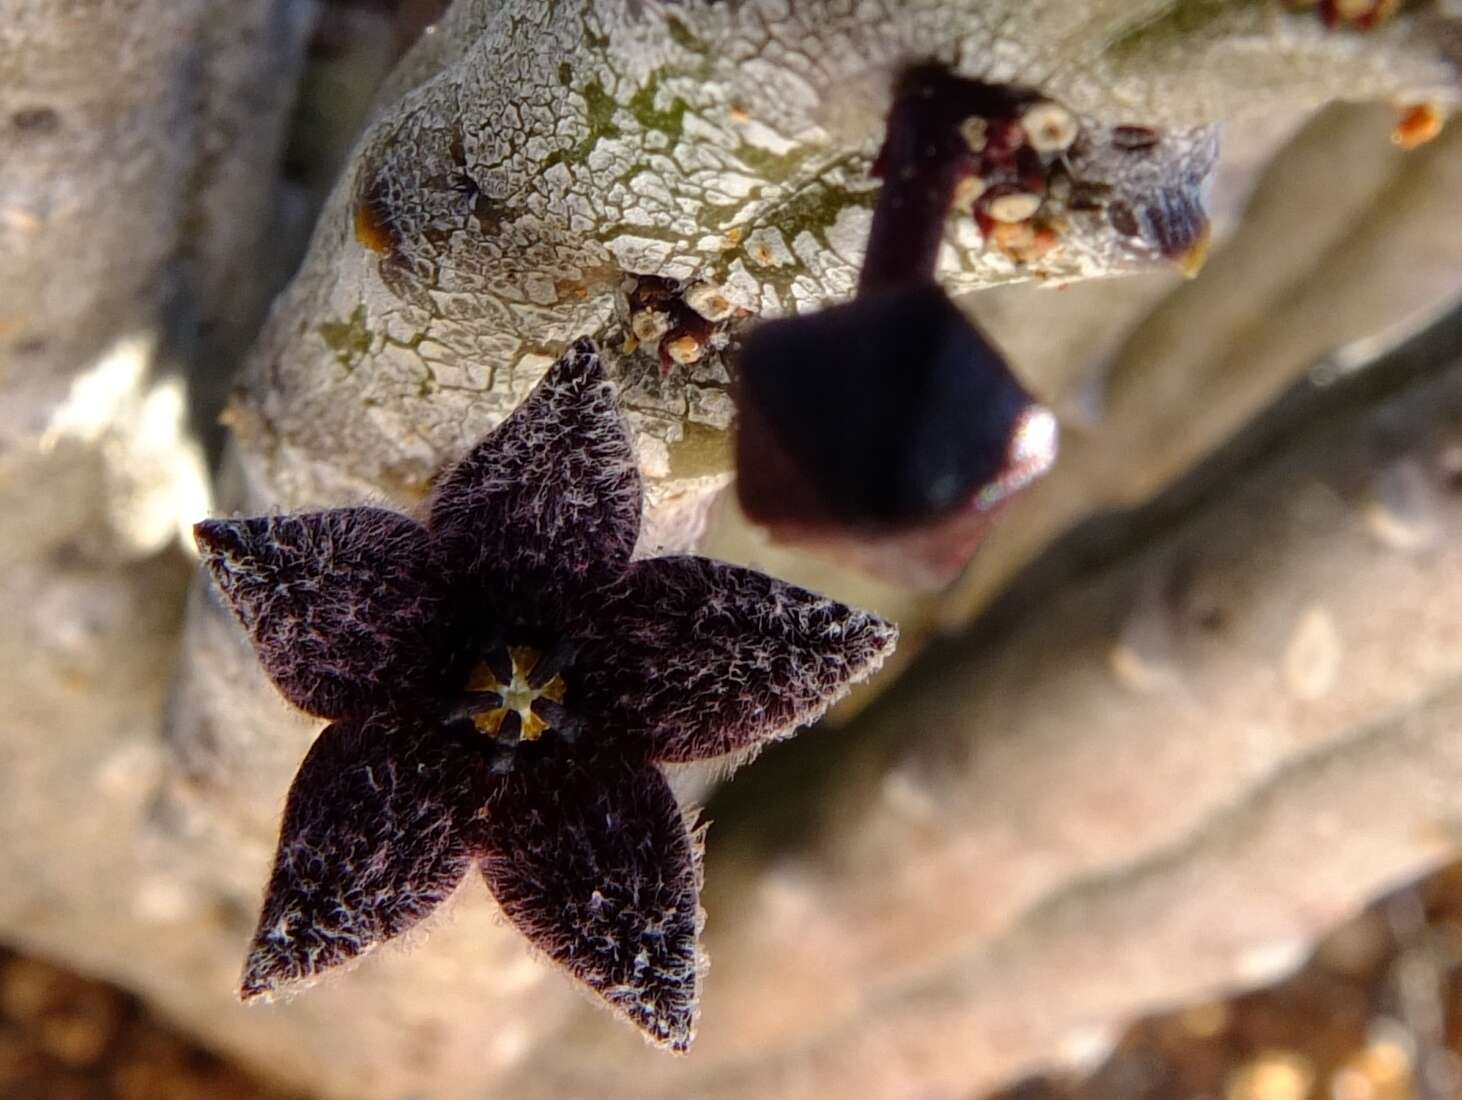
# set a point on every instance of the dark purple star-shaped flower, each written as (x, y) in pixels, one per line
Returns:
(502, 682)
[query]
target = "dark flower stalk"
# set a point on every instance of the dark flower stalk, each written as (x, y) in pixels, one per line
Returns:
(503, 683)
(926, 155)
(889, 428)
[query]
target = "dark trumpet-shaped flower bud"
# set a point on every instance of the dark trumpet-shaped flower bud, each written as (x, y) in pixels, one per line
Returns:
(889, 427)
(893, 407)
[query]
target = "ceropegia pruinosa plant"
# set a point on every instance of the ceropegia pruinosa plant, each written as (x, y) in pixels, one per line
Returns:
(502, 683)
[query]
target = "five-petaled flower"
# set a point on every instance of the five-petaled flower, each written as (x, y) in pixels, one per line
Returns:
(502, 681)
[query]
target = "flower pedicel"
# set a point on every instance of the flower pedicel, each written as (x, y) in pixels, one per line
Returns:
(888, 429)
(502, 683)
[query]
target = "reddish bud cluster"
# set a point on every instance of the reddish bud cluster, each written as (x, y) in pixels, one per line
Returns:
(1004, 146)
(679, 320)
(1009, 176)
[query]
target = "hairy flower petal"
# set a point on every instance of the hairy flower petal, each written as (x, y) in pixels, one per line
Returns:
(596, 866)
(343, 606)
(696, 659)
(548, 504)
(375, 836)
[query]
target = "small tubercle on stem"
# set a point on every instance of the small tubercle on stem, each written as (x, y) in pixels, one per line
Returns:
(678, 322)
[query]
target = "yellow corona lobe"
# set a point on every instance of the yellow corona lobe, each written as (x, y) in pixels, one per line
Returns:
(517, 695)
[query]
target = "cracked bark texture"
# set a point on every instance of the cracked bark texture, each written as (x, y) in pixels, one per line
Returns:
(996, 869)
(529, 156)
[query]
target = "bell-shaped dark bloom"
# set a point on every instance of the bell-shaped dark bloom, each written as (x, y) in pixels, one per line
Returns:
(502, 683)
(888, 429)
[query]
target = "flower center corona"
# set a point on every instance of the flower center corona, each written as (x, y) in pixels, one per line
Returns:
(516, 694)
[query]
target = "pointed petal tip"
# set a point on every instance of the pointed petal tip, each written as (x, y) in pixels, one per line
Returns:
(677, 1040)
(268, 980)
(580, 360)
(884, 639)
(866, 635)
(213, 537)
(871, 641)
(1190, 259)
(672, 1029)
(256, 987)
(584, 345)
(270, 973)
